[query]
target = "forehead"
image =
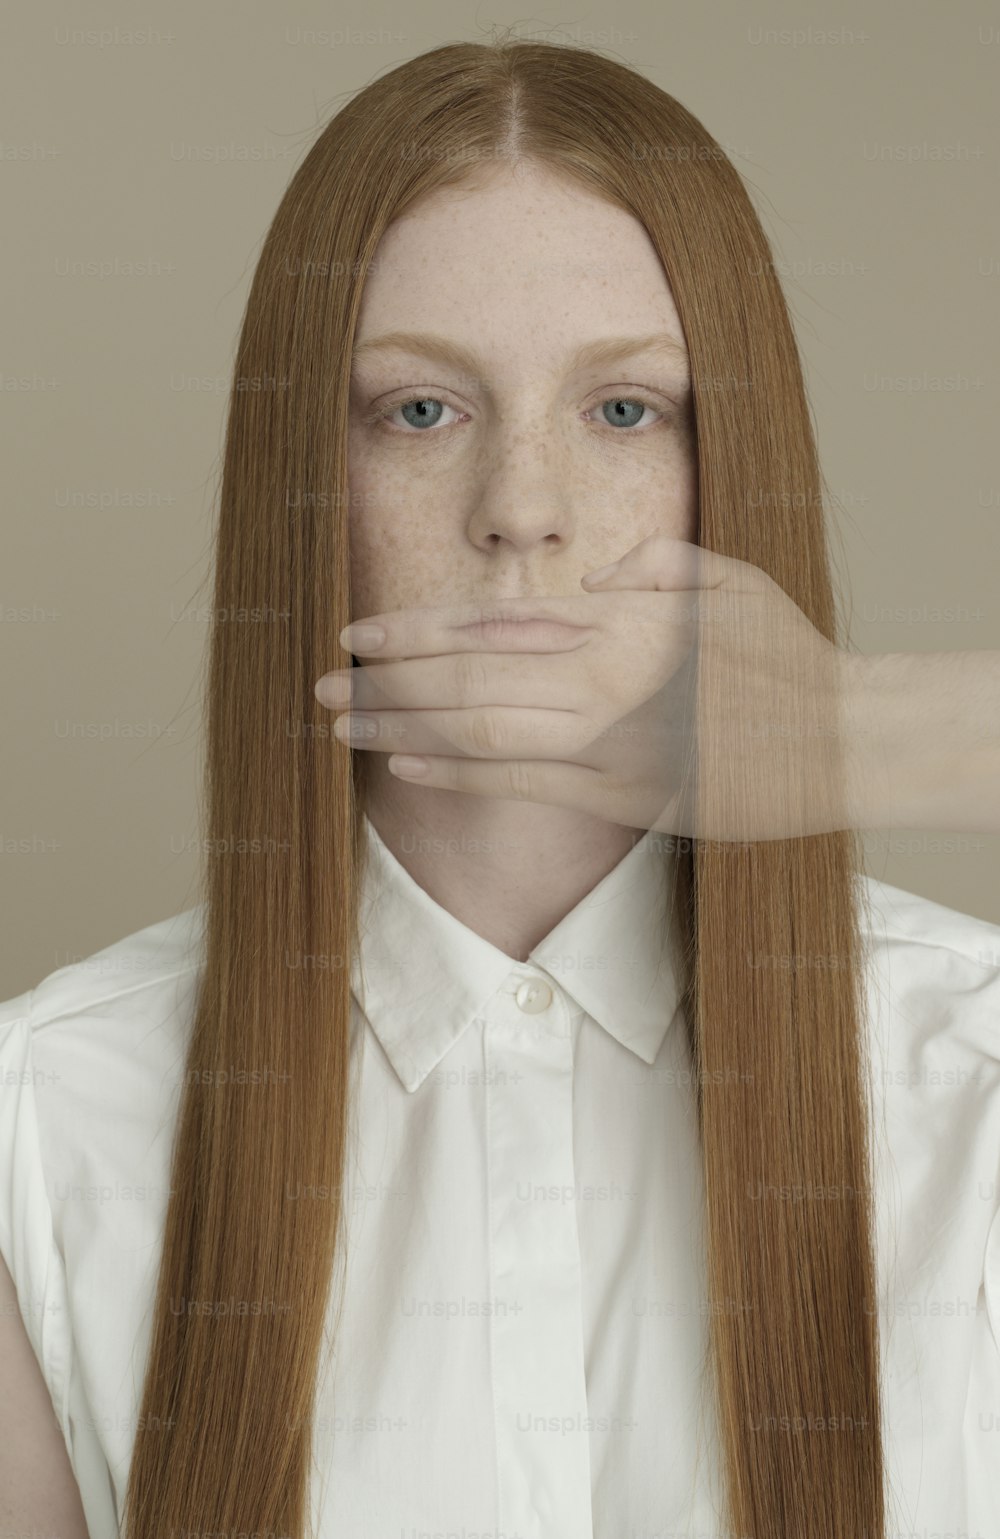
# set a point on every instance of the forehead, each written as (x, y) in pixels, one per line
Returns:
(526, 254)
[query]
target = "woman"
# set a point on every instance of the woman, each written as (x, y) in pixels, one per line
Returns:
(614, 1248)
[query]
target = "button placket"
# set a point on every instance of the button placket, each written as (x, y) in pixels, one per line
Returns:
(543, 1443)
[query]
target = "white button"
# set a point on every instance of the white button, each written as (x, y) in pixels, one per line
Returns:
(534, 995)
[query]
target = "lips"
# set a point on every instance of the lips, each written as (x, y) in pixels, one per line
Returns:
(540, 628)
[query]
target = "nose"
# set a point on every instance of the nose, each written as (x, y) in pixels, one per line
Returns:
(525, 496)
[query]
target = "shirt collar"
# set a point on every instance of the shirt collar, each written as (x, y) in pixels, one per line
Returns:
(421, 976)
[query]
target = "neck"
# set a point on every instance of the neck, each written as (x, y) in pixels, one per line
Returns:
(508, 870)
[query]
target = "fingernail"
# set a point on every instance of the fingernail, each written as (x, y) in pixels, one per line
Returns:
(362, 638)
(333, 691)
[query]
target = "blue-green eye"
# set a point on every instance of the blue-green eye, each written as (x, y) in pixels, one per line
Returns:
(426, 411)
(632, 414)
(420, 412)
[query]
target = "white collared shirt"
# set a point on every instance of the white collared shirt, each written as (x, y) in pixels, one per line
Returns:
(524, 1317)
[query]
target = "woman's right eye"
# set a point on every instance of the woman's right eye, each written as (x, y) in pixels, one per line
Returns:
(419, 413)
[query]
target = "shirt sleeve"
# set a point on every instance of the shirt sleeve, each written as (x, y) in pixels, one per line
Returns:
(991, 1265)
(33, 1258)
(26, 1238)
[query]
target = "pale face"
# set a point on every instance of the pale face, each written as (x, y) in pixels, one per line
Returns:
(513, 476)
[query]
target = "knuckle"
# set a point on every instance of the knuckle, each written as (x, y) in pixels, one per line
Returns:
(517, 781)
(470, 676)
(484, 732)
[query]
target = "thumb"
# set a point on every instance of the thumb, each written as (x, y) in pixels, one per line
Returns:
(661, 563)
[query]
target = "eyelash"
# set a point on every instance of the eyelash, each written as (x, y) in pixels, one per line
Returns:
(380, 414)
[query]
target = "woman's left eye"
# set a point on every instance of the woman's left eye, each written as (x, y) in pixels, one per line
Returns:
(625, 410)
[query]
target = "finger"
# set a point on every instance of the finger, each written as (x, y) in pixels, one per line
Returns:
(494, 734)
(454, 680)
(523, 780)
(561, 625)
(661, 563)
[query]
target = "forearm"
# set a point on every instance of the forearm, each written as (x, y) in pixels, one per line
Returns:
(923, 734)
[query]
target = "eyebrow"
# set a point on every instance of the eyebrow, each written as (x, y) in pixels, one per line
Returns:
(603, 351)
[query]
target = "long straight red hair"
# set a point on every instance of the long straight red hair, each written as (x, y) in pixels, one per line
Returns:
(226, 1418)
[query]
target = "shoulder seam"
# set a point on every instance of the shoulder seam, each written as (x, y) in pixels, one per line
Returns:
(942, 945)
(893, 927)
(48, 1018)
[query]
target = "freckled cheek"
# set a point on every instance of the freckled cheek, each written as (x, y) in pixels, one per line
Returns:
(399, 545)
(627, 505)
(377, 521)
(402, 511)
(673, 492)
(682, 507)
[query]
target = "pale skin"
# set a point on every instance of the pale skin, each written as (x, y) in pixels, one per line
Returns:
(490, 492)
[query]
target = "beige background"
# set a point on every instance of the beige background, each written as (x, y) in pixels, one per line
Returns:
(140, 172)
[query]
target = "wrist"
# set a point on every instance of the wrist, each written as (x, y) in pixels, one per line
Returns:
(922, 747)
(865, 721)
